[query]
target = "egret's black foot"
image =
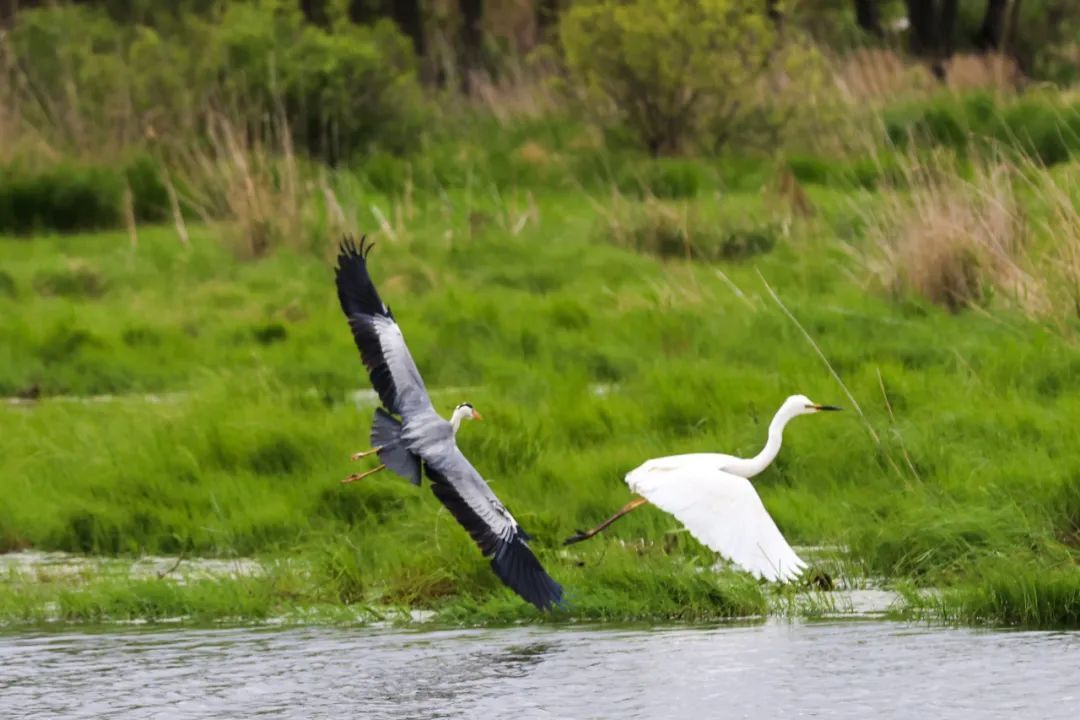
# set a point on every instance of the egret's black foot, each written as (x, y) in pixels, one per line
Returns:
(577, 537)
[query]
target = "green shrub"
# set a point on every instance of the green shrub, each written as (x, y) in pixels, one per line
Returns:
(150, 198)
(663, 178)
(343, 89)
(666, 68)
(385, 173)
(1035, 125)
(8, 286)
(77, 281)
(1050, 134)
(99, 82)
(864, 172)
(64, 197)
(671, 230)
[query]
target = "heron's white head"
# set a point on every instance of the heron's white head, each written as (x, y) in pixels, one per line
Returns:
(802, 405)
(464, 411)
(468, 412)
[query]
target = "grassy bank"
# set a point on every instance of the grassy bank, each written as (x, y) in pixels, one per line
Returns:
(321, 585)
(963, 452)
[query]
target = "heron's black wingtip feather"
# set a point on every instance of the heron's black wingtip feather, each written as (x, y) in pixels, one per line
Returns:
(511, 558)
(361, 304)
(517, 566)
(348, 247)
(356, 290)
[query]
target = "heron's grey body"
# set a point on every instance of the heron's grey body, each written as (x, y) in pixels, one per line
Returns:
(423, 438)
(394, 454)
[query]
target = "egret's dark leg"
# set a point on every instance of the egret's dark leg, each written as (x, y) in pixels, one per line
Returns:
(586, 534)
(360, 476)
(360, 455)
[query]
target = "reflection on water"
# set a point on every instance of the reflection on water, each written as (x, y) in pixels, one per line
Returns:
(772, 670)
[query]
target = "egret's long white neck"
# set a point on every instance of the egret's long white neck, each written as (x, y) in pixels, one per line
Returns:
(749, 467)
(457, 417)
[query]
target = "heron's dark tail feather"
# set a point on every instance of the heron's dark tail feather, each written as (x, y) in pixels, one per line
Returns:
(386, 435)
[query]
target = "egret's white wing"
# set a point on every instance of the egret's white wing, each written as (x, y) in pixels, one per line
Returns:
(721, 510)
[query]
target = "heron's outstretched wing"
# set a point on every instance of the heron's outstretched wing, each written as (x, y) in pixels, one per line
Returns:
(378, 337)
(463, 491)
(721, 510)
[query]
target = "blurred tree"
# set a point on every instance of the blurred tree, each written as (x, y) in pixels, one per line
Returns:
(868, 17)
(992, 31)
(408, 15)
(668, 70)
(932, 30)
(472, 39)
(547, 17)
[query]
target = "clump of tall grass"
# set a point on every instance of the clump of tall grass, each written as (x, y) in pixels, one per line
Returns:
(955, 241)
(1042, 126)
(267, 195)
(677, 229)
(979, 233)
(1058, 229)
(1010, 591)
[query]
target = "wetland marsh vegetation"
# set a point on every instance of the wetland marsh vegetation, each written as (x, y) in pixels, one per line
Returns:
(599, 303)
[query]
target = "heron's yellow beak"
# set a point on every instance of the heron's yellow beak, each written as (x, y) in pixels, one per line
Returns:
(476, 415)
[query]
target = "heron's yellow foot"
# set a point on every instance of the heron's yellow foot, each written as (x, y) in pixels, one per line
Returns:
(361, 455)
(360, 476)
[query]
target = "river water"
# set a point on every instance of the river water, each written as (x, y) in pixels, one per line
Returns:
(772, 670)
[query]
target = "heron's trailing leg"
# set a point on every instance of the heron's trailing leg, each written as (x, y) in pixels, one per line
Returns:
(360, 476)
(586, 534)
(361, 455)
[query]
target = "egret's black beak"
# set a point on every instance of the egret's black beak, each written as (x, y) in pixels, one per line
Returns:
(827, 407)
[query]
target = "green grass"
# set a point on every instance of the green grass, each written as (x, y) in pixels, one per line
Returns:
(328, 585)
(253, 364)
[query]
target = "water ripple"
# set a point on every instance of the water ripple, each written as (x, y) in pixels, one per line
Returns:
(774, 669)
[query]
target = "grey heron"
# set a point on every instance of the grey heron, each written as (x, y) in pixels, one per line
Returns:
(385, 445)
(421, 438)
(712, 496)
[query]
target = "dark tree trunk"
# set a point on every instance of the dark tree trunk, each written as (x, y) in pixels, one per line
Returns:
(472, 38)
(772, 9)
(410, 19)
(868, 18)
(547, 17)
(10, 8)
(991, 33)
(921, 20)
(315, 12)
(406, 14)
(947, 28)
(932, 26)
(7, 12)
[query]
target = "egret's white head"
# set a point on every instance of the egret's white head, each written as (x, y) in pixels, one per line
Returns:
(802, 405)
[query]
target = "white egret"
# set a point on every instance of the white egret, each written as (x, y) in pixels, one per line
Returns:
(712, 496)
(422, 437)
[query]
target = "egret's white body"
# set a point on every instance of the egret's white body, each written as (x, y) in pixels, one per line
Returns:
(721, 510)
(712, 496)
